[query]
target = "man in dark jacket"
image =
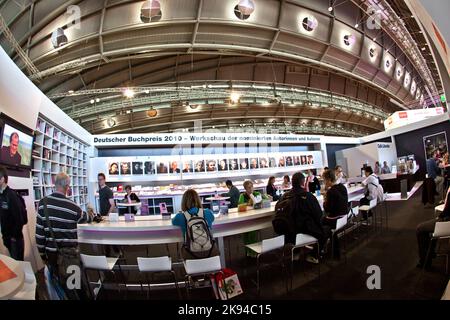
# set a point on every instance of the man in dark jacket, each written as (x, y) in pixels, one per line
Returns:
(11, 218)
(307, 214)
(234, 194)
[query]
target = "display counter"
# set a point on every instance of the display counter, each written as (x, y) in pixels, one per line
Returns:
(150, 230)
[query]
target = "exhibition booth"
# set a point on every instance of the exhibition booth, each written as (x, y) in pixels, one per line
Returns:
(160, 167)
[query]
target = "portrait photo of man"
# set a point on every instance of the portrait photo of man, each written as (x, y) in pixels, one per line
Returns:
(149, 167)
(125, 168)
(10, 154)
(113, 168)
(137, 168)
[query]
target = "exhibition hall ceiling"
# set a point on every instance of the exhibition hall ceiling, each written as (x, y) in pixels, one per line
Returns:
(336, 67)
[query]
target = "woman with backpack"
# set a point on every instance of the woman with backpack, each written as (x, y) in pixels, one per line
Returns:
(199, 244)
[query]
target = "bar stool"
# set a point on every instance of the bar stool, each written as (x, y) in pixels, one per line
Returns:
(341, 223)
(266, 247)
(366, 208)
(303, 240)
(200, 268)
(102, 265)
(156, 266)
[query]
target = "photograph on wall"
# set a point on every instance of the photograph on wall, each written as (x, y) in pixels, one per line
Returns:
(200, 166)
(303, 160)
(16, 147)
(162, 168)
(310, 159)
(223, 165)
(149, 167)
(125, 168)
(187, 166)
(211, 165)
(272, 163)
(234, 164)
(263, 163)
(174, 167)
(113, 168)
(289, 161)
(137, 168)
(243, 164)
(281, 162)
(436, 143)
(297, 161)
(253, 163)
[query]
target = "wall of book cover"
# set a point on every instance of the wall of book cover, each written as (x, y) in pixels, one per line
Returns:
(55, 151)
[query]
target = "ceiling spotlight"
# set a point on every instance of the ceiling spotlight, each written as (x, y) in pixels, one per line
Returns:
(70, 91)
(193, 106)
(97, 100)
(59, 38)
(111, 122)
(423, 49)
(246, 7)
(330, 9)
(128, 93)
(309, 23)
(147, 91)
(234, 97)
(356, 25)
(374, 39)
(349, 39)
(152, 112)
(151, 11)
(92, 101)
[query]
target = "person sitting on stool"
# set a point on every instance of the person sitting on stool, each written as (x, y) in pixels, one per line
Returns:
(424, 232)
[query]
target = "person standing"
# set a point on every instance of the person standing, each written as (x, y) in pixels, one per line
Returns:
(106, 196)
(131, 197)
(385, 169)
(377, 168)
(12, 218)
(233, 193)
(59, 231)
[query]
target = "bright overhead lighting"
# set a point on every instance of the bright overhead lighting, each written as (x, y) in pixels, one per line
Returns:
(330, 9)
(128, 93)
(70, 91)
(97, 100)
(356, 25)
(92, 101)
(234, 97)
(423, 49)
(147, 91)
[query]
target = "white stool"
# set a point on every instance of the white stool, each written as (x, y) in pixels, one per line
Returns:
(102, 265)
(153, 266)
(302, 240)
(264, 247)
(200, 267)
(366, 208)
(341, 223)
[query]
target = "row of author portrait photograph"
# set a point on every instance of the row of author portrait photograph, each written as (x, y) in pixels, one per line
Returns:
(211, 165)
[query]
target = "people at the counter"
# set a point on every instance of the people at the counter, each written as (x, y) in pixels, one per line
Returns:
(341, 177)
(307, 214)
(174, 167)
(200, 166)
(271, 189)
(106, 196)
(162, 168)
(113, 168)
(424, 232)
(233, 193)
(125, 168)
(312, 182)
(64, 214)
(191, 205)
(370, 189)
(286, 182)
(385, 169)
(250, 197)
(377, 168)
(130, 197)
(434, 172)
(335, 206)
(12, 218)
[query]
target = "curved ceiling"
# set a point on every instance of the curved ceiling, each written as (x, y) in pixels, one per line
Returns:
(204, 42)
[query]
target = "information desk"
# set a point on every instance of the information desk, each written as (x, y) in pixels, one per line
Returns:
(150, 230)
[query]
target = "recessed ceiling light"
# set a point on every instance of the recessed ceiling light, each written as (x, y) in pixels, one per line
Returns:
(128, 93)
(234, 97)
(330, 9)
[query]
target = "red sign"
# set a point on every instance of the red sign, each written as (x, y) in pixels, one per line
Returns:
(403, 115)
